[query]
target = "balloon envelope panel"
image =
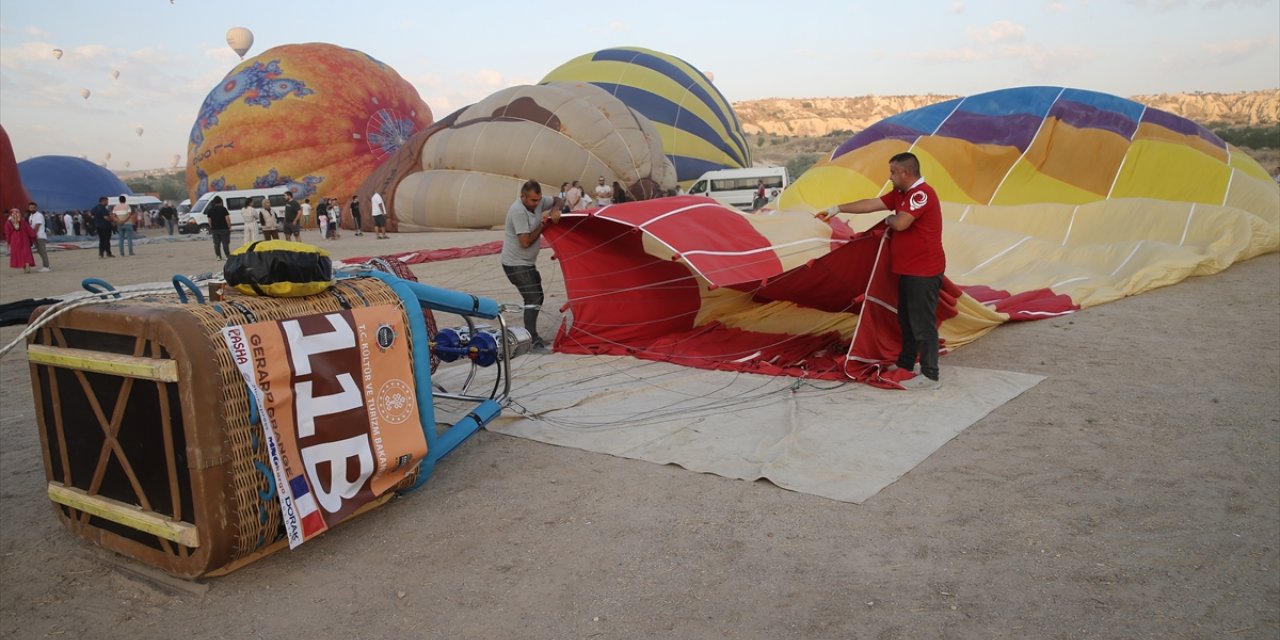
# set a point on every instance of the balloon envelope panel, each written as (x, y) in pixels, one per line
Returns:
(316, 117)
(700, 131)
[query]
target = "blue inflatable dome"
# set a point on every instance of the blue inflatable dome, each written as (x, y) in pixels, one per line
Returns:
(62, 183)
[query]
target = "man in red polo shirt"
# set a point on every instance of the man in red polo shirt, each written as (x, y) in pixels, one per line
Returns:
(916, 257)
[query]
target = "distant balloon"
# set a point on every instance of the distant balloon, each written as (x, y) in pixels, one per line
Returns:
(115, 74)
(57, 54)
(176, 159)
(240, 40)
(84, 93)
(108, 156)
(126, 164)
(139, 130)
(710, 76)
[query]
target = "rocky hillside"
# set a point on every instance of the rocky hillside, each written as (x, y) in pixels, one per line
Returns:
(808, 117)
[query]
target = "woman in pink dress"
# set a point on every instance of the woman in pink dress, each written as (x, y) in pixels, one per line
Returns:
(19, 234)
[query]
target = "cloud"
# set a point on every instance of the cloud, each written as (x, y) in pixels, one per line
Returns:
(957, 7)
(1220, 4)
(1048, 63)
(36, 32)
(962, 54)
(1158, 6)
(998, 32)
(448, 93)
(1053, 6)
(1230, 52)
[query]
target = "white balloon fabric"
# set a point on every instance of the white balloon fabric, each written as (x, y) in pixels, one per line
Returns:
(240, 40)
(473, 163)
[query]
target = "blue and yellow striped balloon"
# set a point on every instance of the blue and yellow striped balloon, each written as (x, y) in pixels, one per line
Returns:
(700, 132)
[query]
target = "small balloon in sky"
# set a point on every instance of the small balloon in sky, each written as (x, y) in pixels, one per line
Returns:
(115, 74)
(240, 40)
(176, 159)
(139, 131)
(57, 54)
(107, 157)
(84, 93)
(126, 164)
(710, 76)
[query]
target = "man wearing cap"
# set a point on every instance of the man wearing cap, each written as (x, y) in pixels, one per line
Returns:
(916, 257)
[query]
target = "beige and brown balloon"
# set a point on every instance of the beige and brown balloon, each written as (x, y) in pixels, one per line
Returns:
(466, 170)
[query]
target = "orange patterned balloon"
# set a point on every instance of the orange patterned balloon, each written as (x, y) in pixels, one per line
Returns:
(315, 117)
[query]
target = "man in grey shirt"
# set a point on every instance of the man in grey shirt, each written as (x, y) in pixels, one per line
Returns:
(527, 217)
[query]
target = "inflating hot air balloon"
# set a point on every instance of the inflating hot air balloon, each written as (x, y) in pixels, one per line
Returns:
(315, 117)
(115, 74)
(138, 131)
(240, 40)
(466, 170)
(1048, 189)
(84, 93)
(57, 54)
(700, 132)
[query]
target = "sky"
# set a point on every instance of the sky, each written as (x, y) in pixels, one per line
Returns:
(170, 54)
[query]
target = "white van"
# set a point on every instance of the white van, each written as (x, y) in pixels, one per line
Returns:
(195, 221)
(737, 187)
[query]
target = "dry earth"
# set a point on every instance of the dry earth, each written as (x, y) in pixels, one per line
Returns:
(1135, 493)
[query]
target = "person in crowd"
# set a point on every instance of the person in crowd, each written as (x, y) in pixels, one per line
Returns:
(267, 220)
(19, 234)
(603, 192)
(103, 224)
(219, 227)
(126, 220)
(356, 222)
(292, 218)
(169, 215)
(379, 216)
(306, 214)
(69, 223)
(335, 218)
(322, 216)
(620, 194)
(249, 215)
(527, 217)
(40, 228)
(573, 197)
(917, 258)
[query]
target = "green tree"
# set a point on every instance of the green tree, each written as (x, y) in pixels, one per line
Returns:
(800, 164)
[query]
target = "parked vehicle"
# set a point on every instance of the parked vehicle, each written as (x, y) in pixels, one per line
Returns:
(738, 187)
(195, 221)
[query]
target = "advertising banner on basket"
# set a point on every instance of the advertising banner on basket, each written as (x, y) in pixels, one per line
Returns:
(336, 399)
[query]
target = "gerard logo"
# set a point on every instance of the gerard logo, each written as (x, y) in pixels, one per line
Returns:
(919, 199)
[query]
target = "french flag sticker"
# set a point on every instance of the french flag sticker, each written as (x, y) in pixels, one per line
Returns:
(308, 513)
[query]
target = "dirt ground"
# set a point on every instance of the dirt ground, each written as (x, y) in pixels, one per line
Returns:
(1135, 493)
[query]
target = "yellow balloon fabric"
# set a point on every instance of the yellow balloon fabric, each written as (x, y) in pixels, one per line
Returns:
(700, 131)
(1082, 193)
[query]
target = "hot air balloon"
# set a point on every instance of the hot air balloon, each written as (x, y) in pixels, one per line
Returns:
(710, 76)
(465, 171)
(240, 40)
(139, 131)
(57, 54)
(107, 156)
(115, 74)
(84, 93)
(127, 164)
(700, 131)
(286, 117)
(176, 159)
(1088, 195)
